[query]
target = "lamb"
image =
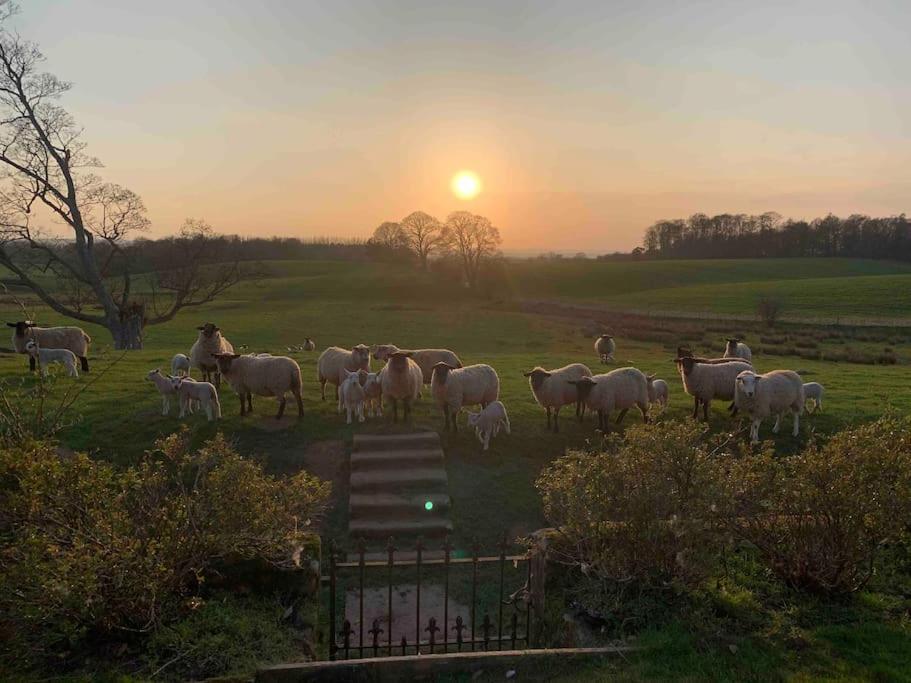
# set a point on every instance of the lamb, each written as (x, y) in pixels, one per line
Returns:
(334, 360)
(605, 347)
(72, 338)
(373, 392)
(706, 381)
(309, 344)
(770, 394)
(552, 390)
(622, 388)
(425, 358)
(263, 376)
(657, 390)
(401, 379)
(180, 364)
(452, 388)
(352, 396)
(487, 422)
(737, 349)
(815, 391)
(165, 387)
(208, 344)
(204, 392)
(47, 356)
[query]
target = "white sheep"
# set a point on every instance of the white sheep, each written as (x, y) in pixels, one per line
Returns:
(605, 347)
(165, 387)
(72, 338)
(373, 392)
(204, 393)
(619, 389)
(425, 358)
(772, 393)
(309, 344)
(815, 391)
(552, 390)
(180, 365)
(352, 397)
(706, 381)
(209, 342)
(657, 390)
(401, 380)
(332, 363)
(45, 357)
(453, 388)
(488, 421)
(734, 348)
(263, 376)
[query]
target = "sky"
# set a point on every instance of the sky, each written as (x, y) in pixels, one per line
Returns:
(586, 121)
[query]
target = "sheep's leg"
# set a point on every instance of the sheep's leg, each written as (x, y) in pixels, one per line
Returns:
(249, 402)
(347, 415)
(300, 401)
(243, 405)
(622, 415)
(336, 392)
(85, 363)
(695, 408)
(818, 405)
(486, 440)
(548, 418)
(777, 424)
(217, 379)
(796, 429)
(360, 412)
(754, 431)
(165, 405)
(601, 420)
(406, 402)
(643, 408)
(31, 364)
(731, 407)
(705, 410)
(209, 412)
(557, 420)
(506, 425)
(455, 421)
(395, 412)
(340, 407)
(322, 388)
(446, 417)
(281, 407)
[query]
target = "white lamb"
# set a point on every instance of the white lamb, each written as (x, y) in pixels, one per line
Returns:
(552, 390)
(708, 380)
(263, 376)
(203, 392)
(734, 348)
(165, 387)
(44, 358)
(309, 344)
(815, 391)
(453, 388)
(72, 338)
(332, 363)
(772, 393)
(605, 347)
(657, 391)
(425, 358)
(180, 365)
(401, 380)
(619, 389)
(352, 396)
(209, 342)
(373, 392)
(487, 422)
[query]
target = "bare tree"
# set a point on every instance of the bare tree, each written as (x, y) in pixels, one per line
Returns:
(472, 239)
(390, 235)
(424, 234)
(45, 177)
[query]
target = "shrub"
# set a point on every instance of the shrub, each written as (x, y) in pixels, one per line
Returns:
(820, 517)
(89, 551)
(769, 308)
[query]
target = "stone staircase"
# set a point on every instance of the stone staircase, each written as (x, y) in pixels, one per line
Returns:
(398, 487)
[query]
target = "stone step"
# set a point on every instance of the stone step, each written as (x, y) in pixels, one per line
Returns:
(385, 442)
(400, 556)
(377, 505)
(374, 528)
(395, 479)
(369, 460)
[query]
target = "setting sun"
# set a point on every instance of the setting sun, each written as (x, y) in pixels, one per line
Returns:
(466, 185)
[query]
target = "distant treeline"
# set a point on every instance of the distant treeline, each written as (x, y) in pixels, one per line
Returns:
(741, 236)
(266, 248)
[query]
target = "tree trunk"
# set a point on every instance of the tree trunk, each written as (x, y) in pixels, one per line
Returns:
(127, 328)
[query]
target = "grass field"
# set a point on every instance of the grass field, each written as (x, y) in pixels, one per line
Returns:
(346, 303)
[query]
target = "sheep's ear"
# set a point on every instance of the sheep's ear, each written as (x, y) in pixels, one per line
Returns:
(650, 377)
(11, 325)
(29, 323)
(526, 374)
(201, 327)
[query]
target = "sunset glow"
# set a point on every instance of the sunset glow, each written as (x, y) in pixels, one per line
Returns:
(466, 185)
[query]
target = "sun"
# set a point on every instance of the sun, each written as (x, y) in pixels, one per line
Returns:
(466, 185)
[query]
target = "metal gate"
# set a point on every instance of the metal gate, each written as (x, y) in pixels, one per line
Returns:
(471, 629)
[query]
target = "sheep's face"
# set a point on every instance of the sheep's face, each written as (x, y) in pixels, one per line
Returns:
(21, 327)
(372, 385)
(684, 352)
(536, 377)
(473, 419)
(441, 372)
(363, 376)
(152, 374)
(583, 386)
(747, 382)
(361, 356)
(208, 330)
(381, 352)
(605, 337)
(398, 361)
(687, 363)
(31, 347)
(732, 344)
(224, 361)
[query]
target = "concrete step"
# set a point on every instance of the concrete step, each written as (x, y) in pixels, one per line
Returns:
(378, 505)
(375, 528)
(393, 480)
(385, 442)
(369, 460)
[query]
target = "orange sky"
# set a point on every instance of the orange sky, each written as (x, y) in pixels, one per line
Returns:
(585, 123)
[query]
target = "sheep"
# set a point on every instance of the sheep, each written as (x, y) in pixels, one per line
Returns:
(401, 379)
(263, 376)
(657, 390)
(452, 388)
(487, 422)
(334, 360)
(373, 392)
(72, 338)
(165, 387)
(686, 352)
(309, 344)
(425, 358)
(47, 356)
(352, 396)
(706, 381)
(605, 347)
(770, 394)
(737, 349)
(180, 364)
(204, 393)
(620, 389)
(815, 391)
(551, 390)
(209, 342)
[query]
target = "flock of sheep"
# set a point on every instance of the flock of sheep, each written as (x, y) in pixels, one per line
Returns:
(361, 393)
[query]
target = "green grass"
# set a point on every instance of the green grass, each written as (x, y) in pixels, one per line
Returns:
(347, 303)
